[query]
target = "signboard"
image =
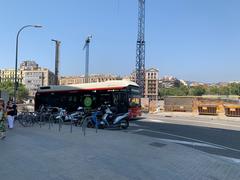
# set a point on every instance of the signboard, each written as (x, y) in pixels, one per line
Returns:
(87, 101)
(204, 108)
(232, 109)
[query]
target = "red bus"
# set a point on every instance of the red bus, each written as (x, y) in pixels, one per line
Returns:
(122, 94)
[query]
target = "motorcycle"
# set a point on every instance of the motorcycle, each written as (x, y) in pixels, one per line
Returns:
(105, 118)
(75, 118)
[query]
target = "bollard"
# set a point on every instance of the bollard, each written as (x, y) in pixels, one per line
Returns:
(40, 121)
(71, 125)
(59, 125)
(84, 125)
(49, 126)
(96, 125)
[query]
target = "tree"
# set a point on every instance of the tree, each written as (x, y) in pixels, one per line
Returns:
(197, 91)
(234, 88)
(22, 92)
(174, 91)
(224, 90)
(8, 86)
(212, 90)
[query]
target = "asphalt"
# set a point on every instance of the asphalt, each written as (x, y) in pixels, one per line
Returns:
(41, 153)
(225, 139)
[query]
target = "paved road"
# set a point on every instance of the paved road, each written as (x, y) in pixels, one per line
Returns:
(198, 135)
(146, 151)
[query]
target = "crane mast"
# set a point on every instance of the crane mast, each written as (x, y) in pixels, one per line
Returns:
(140, 50)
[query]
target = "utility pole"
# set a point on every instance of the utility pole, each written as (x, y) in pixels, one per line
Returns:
(140, 50)
(57, 52)
(86, 46)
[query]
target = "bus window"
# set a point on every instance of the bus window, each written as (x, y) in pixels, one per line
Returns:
(120, 102)
(134, 102)
(104, 98)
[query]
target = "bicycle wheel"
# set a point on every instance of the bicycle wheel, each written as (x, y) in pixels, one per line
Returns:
(40, 119)
(23, 119)
(29, 119)
(80, 121)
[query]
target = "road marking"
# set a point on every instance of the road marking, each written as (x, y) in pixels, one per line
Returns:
(184, 137)
(152, 120)
(235, 160)
(134, 125)
(160, 121)
(191, 143)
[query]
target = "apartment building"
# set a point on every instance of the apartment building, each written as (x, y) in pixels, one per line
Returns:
(29, 65)
(29, 74)
(66, 80)
(151, 83)
(35, 78)
(9, 75)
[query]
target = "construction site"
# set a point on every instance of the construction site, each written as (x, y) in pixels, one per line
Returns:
(197, 105)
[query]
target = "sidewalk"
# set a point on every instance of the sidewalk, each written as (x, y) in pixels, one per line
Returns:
(39, 153)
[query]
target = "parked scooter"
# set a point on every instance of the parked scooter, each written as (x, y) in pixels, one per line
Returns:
(73, 117)
(105, 118)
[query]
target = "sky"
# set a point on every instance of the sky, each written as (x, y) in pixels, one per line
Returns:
(195, 40)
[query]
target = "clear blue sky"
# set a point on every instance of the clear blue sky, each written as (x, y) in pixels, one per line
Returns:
(190, 39)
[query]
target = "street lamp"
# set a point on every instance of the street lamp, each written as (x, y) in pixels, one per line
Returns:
(16, 60)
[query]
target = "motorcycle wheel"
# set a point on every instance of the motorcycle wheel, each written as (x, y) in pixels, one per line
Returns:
(124, 124)
(90, 123)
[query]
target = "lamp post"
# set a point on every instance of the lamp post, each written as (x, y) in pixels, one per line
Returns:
(16, 60)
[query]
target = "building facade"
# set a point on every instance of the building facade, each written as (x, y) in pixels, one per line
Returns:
(151, 83)
(28, 65)
(33, 79)
(30, 75)
(9, 75)
(169, 82)
(67, 80)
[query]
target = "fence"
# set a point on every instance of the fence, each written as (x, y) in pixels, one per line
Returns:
(179, 104)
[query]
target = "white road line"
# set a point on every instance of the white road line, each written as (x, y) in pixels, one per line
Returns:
(235, 160)
(134, 125)
(152, 120)
(160, 121)
(191, 143)
(184, 137)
